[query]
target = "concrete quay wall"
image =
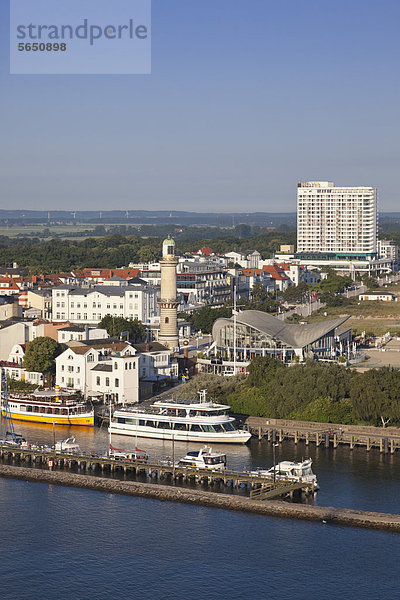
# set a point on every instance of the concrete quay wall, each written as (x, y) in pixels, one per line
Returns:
(338, 516)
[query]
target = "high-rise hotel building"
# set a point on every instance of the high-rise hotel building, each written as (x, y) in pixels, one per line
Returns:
(338, 220)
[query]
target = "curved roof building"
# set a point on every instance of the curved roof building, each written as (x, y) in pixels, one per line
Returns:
(259, 333)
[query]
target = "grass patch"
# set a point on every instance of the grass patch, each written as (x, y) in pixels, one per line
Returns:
(371, 316)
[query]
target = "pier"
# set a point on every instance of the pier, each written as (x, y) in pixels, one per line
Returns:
(259, 487)
(325, 434)
(325, 515)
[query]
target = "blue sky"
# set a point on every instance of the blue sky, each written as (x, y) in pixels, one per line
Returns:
(246, 97)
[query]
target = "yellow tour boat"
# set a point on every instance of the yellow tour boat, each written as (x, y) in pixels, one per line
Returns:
(49, 406)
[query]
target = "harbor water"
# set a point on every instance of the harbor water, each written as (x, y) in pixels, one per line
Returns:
(80, 544)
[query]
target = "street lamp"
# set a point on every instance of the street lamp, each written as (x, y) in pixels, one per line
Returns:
(54, 438)
(274, 455)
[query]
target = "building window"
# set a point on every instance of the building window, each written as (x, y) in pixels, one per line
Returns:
(107, 381)
(115, 365)
(167, 319)
(97, 380)
(117, 383)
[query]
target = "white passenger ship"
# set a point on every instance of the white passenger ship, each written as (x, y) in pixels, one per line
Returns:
(180, 420)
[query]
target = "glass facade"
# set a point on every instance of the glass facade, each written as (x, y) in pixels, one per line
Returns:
(251, 342)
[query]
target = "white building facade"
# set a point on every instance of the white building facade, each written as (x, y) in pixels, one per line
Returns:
(82, 305)
(336, 219)
(109, 369)
(388, 249)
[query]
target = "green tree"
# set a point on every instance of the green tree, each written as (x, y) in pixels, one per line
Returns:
(147, 254)
(262, 370)
(40, 356)
(294, 293)
(370, 282)
(115, 326)
(203, 319)
(259, 293)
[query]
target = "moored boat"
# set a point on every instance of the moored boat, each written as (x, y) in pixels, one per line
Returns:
(204, 458)
(180, 420)
(49, 406)
(292, 471)
(68, 446)
(119, 454)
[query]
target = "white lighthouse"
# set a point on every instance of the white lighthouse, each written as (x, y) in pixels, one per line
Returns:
(168, 302)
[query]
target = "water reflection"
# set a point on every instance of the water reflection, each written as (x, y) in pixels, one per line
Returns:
(348, 478)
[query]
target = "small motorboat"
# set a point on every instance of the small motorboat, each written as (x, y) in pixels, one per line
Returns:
(204, 458)
(137, 454)
(68, 446)
(292, 471)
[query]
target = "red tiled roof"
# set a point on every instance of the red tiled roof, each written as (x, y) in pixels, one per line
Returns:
(205, 250)
(125, 273)
(275, 271)
(108, 273)
(251, 272)
(11, 284)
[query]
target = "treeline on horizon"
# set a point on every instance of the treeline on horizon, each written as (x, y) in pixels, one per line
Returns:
(325, 393)
(116, 250)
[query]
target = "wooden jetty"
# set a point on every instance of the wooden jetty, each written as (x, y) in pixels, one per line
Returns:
(326, 434)
(259, 487)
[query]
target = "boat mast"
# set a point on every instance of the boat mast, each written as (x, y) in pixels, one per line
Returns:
(234, 326)
(109, 429)
(4, 395)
